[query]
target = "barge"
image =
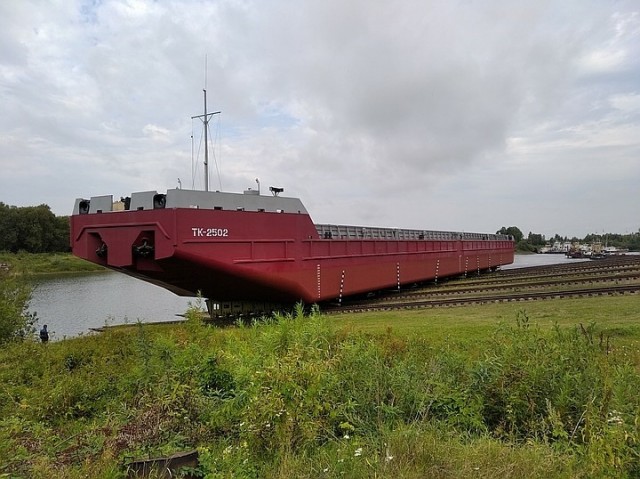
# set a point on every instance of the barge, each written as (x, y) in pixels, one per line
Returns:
(247, 252)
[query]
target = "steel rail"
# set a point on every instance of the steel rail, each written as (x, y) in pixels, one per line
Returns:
(452, 302)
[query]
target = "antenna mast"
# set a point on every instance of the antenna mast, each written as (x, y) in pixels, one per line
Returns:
(205, 120)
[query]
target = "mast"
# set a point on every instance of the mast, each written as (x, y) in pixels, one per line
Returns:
(206, 144)
(205, 117)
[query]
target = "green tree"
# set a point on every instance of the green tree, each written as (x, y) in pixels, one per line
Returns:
(61, 237)
(536, 239)
(8, 230)
(34, 229)
(513, 231)
(16, 323)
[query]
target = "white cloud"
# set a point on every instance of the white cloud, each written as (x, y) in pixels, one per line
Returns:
(462, 115)
(627, 102)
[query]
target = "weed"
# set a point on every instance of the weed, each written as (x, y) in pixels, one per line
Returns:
(299, 396)
(215, 381)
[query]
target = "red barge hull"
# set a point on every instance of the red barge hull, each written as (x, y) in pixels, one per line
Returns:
(249, 249)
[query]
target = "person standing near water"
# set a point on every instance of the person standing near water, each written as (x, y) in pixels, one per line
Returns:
(44, 334)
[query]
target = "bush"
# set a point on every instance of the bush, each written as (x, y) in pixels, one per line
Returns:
(296, 396)
(16, 323)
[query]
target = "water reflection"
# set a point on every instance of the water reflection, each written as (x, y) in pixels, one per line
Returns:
(72, 304)
(527, 260)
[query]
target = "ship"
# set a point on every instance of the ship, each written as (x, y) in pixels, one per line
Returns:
(250, 252)
(247, 252)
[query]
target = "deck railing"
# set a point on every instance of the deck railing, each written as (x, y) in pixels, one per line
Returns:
(360, 232)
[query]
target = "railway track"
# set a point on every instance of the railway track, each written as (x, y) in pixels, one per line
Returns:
(579, 266)
(614, 276)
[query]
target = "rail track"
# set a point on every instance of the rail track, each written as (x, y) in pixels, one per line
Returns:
(611, 276)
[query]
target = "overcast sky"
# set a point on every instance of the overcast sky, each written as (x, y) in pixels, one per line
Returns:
(457, 115)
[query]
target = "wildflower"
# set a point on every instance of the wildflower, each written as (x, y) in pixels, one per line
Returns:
(346, 436)
(358, 452)
(615, 418)
(388, 457)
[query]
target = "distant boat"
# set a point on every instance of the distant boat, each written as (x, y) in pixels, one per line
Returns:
(594, 251)
(613, 251)
(577, 251)
(556, 248)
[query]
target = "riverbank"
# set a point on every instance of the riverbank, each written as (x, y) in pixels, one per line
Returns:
(537, 390)
(34, 264)
(72, 304)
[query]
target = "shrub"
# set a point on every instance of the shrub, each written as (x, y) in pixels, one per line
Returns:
(535, 385)
(215, 381)
(16, 323)
(296, 396)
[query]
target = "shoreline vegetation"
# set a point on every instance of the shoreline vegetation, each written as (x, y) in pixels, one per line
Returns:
(34, 264)
(495, 391)
(532, 390)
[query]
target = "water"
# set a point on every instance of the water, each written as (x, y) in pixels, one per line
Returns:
(73, 304)
(528, 260)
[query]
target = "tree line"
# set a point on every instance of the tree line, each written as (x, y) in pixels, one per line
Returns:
(33, 229)
(534, 241)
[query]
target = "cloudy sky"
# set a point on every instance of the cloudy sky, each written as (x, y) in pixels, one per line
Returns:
(457, 115)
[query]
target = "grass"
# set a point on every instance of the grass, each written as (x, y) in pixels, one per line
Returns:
(613, 312)
(526, 390)
(31, 264)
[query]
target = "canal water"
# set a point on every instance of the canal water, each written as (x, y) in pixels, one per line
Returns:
(72, 304)
(528, 260)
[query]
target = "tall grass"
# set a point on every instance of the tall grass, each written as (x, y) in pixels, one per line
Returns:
(298, 396)
(32, 264)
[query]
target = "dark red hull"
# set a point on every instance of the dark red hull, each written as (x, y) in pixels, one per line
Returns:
(263, 256)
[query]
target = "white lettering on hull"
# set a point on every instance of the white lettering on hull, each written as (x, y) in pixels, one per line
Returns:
(210, 232)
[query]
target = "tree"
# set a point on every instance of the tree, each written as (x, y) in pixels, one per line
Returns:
(536, 239)
(8, 230)
(513, 231)
(61, 238)
(16, 323)
(34, 229)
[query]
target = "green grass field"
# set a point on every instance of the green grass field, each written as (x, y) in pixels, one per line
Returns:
(46, 263)
(618, 315)
(517, 390)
